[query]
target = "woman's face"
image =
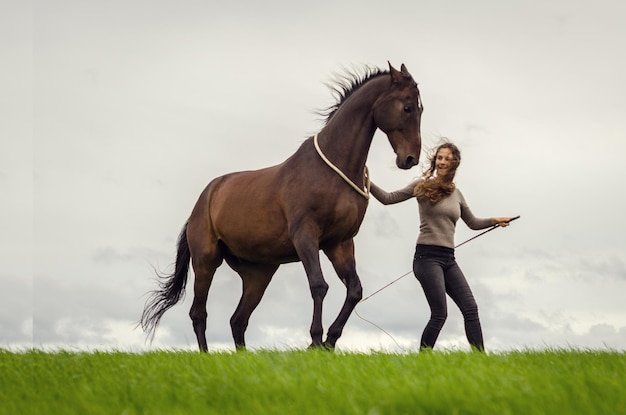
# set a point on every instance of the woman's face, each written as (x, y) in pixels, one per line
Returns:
(444, 161)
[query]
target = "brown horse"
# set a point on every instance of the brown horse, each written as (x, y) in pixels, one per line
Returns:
(257, 220)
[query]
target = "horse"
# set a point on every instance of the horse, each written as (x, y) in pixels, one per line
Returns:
(311, 202)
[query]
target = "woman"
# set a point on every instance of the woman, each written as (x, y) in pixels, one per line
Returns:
(440, 206)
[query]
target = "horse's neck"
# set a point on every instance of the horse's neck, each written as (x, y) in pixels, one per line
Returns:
(347, 150)
(347, 137)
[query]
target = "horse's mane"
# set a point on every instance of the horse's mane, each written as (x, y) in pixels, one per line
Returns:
(347, 83)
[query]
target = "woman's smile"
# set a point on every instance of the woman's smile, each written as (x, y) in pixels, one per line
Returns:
(443, 160)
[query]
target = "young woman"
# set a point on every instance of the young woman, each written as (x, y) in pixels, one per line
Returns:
(440, 206)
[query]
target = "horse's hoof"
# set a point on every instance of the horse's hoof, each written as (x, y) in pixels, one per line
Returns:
(323, 346)
(328, 346)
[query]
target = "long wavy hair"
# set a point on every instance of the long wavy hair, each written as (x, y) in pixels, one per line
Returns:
(436, 188)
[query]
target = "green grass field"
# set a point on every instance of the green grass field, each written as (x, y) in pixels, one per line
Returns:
(313, 382)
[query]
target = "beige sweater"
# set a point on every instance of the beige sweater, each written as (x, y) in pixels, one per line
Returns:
(437, 222)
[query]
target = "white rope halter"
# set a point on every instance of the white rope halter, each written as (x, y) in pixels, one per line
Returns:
(366, 177)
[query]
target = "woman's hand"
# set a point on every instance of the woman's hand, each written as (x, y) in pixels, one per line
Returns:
(503, 222)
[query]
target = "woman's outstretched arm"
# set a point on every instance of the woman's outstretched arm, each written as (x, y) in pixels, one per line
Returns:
(388, 198)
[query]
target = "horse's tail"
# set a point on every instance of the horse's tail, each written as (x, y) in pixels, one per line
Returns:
(171, 288)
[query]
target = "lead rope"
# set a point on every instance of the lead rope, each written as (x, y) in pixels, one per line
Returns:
(371, 322)
(366, 176)
(402, 276)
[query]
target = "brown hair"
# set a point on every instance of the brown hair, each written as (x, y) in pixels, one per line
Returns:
(435, 188)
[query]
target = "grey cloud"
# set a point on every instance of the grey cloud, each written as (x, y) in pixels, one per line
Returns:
(16, 309)
(603, 267)
(385, 225)
(15, 331)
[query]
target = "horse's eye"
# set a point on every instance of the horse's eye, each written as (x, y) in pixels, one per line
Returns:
(408, 109)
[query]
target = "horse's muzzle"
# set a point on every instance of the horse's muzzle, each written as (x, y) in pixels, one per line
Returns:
(407, 162)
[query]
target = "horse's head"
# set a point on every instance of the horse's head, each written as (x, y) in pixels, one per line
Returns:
(398, 113)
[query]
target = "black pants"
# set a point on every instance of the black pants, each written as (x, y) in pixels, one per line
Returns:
(436, 269)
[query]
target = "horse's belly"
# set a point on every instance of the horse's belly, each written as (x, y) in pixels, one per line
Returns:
(259, 250)
(257, 238)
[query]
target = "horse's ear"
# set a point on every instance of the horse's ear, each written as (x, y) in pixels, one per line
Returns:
(396, 76)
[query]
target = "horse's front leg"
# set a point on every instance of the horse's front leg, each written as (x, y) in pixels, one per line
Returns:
(307, 247)
(342, 258)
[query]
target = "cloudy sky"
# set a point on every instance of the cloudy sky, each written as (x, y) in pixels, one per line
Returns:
(116, 114)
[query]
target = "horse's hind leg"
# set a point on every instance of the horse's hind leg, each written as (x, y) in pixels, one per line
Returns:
(255, 279)
(342, 258)
(204, 266)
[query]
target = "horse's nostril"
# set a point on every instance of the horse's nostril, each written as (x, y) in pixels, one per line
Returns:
(407, 162)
